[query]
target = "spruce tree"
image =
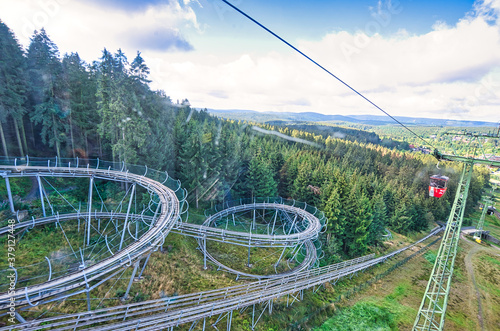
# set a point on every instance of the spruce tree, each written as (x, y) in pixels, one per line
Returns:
(12, 89)
(50, 104)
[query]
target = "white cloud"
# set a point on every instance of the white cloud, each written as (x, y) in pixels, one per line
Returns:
(88, 27)
(451, 72)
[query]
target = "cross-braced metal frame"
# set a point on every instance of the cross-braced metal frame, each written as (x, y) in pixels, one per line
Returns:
(433, 307)
(120, 252)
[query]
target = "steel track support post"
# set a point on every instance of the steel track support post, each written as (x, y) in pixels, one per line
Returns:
(279, 260)
(126, 217)
(40, 190)
(19, 317)
(293, 224)
(9, 194)
(274, 220)
(88, 299)
(229, 320)
(253, 316)
(125, 297)
(144, 266)
(253, 221)
(204, 323)
(91, 186)
(205, 252)
(156, 211)
(248, 263)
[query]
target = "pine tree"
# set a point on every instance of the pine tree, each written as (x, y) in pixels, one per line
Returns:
(123, 121)
(377, 227)
(139, 70)
(261, 178)
(82, 116)
(49, 99)
(158, 151)
(12, 88)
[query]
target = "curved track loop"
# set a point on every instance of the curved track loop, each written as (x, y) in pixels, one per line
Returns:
(311, 232)
(200, 232)
(151, 240)
(173, 311)
(309, 260)
(304, 238)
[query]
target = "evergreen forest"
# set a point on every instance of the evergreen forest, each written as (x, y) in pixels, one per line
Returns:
(58, 105)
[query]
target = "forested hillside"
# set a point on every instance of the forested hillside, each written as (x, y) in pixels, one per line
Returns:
(52, 105)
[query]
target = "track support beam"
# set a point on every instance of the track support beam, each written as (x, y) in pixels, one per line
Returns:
(9, 194)
(144, 266)
(126, 217)
(91, 186)
(125, 297)
(40, 190)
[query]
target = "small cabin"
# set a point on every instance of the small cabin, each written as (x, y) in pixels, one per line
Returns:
(437, 186)
(491, 210)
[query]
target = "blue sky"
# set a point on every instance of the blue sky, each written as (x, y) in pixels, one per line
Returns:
(414, 58)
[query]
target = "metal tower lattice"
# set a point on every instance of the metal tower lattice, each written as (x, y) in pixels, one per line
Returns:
(433, 307)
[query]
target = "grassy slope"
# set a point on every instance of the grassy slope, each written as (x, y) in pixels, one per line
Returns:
(393, 303)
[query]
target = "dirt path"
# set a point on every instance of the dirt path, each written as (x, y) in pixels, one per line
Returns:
(470, 271)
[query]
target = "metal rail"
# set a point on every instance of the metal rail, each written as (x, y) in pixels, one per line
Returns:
(150, 241)
(197, 231)
(174, 311)
(192, 230)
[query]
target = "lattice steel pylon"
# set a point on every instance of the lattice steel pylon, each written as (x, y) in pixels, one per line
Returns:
(480, 223)
(433, 307)
(432, 310)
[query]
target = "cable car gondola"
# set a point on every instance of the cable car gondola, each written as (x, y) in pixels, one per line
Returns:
(437, 186)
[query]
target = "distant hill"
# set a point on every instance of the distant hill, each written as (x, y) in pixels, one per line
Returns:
(283, 118)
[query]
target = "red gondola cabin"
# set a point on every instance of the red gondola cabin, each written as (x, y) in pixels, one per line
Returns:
(437, 187)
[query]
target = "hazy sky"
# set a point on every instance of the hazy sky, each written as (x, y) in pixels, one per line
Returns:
(427, 58)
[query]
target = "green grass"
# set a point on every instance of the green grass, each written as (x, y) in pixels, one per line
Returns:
(462, 320)
(262, 259)
(490, 259)
(373, 313)
(431, 256)
(361, 316)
